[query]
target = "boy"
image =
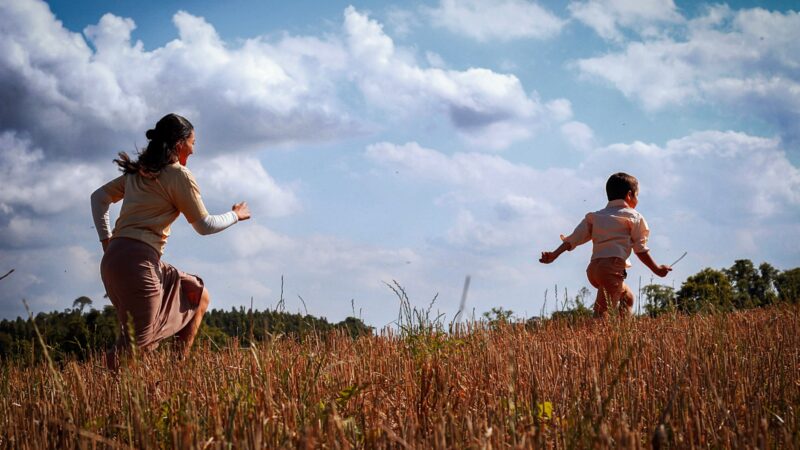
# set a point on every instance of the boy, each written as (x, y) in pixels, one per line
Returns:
(614, 231)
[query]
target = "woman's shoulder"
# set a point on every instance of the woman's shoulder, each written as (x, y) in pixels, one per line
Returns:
(177, 177)
(176, 170)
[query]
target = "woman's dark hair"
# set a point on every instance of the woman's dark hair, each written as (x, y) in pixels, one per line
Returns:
(161, 149)
(619, 184)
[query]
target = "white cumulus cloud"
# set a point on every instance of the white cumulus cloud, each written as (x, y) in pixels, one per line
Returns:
(501, 20)
(489, 109)
(608, 17)
(579, 135)
(76, 100)
(81, 95)
(232, 178)
(31, 181)
(744, 61)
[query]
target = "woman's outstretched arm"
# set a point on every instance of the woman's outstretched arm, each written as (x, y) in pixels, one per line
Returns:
(214, 224)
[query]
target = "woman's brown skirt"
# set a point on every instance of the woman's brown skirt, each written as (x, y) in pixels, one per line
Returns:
(157, 298)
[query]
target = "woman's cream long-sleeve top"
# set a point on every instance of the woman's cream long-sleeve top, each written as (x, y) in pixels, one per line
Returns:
(152, 204)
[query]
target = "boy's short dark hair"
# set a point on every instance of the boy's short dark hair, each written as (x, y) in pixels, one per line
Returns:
(619, 184)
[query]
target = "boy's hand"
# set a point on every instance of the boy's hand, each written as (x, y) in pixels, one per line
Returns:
(662, 270)
(548, 257)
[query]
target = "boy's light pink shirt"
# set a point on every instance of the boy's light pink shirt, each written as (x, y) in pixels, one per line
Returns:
(614, 231)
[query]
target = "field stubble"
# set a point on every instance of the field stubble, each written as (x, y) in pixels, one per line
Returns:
(727, 380)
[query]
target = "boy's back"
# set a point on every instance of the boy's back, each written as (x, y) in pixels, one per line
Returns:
(614, 231)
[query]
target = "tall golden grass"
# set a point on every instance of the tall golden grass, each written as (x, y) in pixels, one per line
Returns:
(728, 380)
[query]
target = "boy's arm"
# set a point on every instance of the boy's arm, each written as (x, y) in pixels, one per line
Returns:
(581, 235)
(647, 260)
(548, 257)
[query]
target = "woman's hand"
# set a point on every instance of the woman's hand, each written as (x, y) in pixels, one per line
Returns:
(104, 243)
(241, 210)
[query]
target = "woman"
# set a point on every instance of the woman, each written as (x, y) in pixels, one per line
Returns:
(158, 300)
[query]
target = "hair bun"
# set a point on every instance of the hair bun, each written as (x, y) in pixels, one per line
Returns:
(151, 134)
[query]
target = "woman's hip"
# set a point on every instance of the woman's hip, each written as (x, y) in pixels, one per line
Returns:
(130, 265)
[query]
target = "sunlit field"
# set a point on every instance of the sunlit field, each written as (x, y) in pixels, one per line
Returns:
(726, 380)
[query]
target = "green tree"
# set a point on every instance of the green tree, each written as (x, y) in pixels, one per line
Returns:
(788, 285)
(766, 286)
(706, 290)
(6, 344)
(212, 334)
(81, 302)
(744, 279)
(659, 299)
(498, 316)
(752, 287)
(103, 327)
(355, 327)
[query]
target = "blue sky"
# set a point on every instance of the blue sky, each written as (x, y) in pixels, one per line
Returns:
(416, 141)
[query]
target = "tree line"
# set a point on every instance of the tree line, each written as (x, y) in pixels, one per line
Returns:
(741, 286)
(78, 331)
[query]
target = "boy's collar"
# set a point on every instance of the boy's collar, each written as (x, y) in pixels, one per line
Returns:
(620, 202)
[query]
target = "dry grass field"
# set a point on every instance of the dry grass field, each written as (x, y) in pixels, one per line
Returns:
(722, 381)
